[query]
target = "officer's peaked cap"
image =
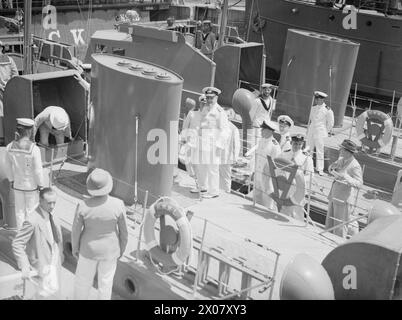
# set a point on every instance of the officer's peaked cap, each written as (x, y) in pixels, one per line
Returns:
(298, 138)
(286, 119)
(320, 94)
(211, 91)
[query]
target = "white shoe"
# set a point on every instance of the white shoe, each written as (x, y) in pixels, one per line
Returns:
(321, 173)
(210, 196)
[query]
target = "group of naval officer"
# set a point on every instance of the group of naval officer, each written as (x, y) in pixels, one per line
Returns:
(220, 148)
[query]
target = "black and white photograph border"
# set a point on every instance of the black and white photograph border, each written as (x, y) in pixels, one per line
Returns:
(215, 151)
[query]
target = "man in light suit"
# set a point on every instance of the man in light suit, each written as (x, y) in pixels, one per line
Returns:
(348, 176)
(38, 246)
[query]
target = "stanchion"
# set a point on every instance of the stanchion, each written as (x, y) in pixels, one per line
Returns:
(144, 208)
(197, 272)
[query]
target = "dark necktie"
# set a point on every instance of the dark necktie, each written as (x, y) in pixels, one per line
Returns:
(54, 230)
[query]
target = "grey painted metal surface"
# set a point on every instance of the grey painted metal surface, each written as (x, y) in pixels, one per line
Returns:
(120, 94)
(314, 61)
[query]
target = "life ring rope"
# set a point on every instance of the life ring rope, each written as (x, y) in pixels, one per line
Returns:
(168, 206)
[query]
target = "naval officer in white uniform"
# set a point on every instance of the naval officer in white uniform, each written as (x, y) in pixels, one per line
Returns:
(320, 124)
(213, 137)
(267, 146)
(285, 124)
(303, 160)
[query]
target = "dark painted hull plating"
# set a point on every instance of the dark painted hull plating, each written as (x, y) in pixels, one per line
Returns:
(379, 65)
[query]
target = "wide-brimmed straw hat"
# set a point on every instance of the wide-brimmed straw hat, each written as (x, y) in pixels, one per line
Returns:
(99, 183)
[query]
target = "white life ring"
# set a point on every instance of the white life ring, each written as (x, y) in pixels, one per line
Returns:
(382, 137)
(167, 206)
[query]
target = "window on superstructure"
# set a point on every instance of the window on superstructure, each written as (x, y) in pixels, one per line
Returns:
(100, 48)
(119, 51)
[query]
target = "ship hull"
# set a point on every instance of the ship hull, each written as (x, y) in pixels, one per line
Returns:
(379, 62)
(74, 25)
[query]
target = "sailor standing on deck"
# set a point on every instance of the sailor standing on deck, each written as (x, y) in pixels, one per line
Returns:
(285, 124)
(265, 104)
(348, 176)
(208, 39)
(303, 160)
(321, 122)
(24, 168)
(229, 156)
(213, 136)
(267, 146)
(53, 120)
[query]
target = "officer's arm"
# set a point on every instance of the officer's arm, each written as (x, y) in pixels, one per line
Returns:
(330, 120)
(19, 244)
(224, 131)
(237, 144)
(37, 167)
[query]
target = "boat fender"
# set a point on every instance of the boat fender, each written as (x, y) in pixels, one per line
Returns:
(167, 206)
(374, 137)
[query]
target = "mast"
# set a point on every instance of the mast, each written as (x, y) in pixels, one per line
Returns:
(27, 63)
(224, 21)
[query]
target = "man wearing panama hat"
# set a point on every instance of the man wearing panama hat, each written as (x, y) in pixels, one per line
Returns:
(348, 178)
(99, 236)
(53, 120)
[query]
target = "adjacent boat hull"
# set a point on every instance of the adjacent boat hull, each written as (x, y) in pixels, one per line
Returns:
(379, 64)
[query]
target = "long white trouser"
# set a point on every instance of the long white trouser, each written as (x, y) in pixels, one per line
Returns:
(225, 177)
(85, 274)
(44, 132)
(315, 140)
(25, 201)
(208, 178)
